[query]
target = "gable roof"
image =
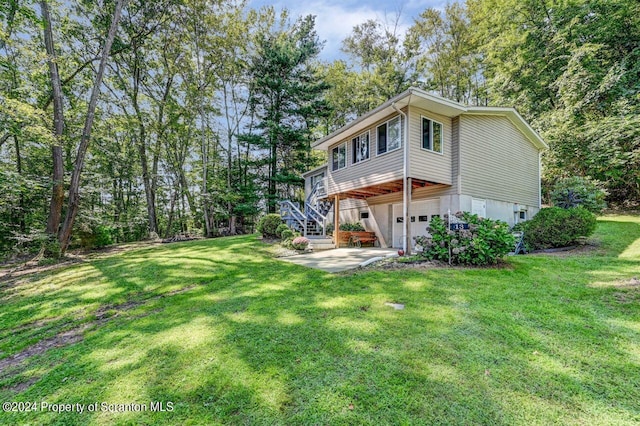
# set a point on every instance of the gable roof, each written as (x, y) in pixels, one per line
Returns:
(419, 98)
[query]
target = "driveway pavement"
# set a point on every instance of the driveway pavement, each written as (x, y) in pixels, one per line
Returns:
(338, 260)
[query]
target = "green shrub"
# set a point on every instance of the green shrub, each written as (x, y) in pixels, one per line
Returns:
(287, 234)
(94, 236)
(556, 227)
(355, 226)
(578, 191)
(51, 247)
(268, 225)
(286, 242)
(329, 228)
(281, 228)
(486, 241)
(103, 236)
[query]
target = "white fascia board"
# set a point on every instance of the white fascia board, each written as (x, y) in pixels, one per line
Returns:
(314, 171)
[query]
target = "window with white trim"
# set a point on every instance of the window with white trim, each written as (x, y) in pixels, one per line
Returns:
(339, 157)
(390, 135)
(520, 216)
(360, 147)
(432, 135)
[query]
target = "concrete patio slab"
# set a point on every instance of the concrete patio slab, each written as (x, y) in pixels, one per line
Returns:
(341, 259)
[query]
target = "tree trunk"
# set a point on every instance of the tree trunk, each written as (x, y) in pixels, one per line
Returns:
(142, 151)
(171, 210)
(20, 209)
(57, 195)
(205, 176)
(159, 139)
(74, 196)
(271, 193)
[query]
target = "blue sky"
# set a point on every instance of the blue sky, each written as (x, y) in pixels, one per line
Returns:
(335, 18)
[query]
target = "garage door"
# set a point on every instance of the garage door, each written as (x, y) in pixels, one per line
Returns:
(421, 213)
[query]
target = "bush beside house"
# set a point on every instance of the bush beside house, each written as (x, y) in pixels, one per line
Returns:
(555, 227)
(485, 242)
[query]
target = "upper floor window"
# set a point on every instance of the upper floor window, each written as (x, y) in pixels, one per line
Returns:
(390, 135)
(339, 157)
(360, 146)
(431, 135)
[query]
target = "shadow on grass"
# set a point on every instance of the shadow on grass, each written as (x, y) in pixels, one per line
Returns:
(264, 342)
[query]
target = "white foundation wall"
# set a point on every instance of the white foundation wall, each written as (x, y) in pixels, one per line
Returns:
(382, 220)
(497, 210)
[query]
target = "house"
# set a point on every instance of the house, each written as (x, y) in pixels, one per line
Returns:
(418, 156)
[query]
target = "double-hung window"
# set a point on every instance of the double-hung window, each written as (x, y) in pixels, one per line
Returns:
(390, 135)
(431, 135)
(339, 157)
(360, 147)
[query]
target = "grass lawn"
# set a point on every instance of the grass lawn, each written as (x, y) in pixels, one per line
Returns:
(221, 333)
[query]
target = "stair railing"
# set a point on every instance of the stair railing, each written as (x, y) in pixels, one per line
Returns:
(291, 214)
(311, 206)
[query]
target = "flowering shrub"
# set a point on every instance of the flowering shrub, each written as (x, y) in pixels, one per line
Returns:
(300, 243)
(485, 242)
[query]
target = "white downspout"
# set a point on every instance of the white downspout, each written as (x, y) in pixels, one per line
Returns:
(405, 172)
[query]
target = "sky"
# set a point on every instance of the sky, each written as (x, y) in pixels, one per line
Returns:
(336, 18)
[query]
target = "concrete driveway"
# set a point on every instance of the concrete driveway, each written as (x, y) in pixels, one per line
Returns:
(341, 259)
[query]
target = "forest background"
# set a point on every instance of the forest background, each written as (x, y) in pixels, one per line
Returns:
(122, 120)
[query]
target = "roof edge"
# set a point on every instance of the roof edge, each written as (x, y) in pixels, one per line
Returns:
(406, 95)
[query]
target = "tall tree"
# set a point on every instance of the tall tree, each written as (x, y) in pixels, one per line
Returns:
(384, 63)
(572, 69)
(74, 188)
(57, 196)
(447, 56)
(288, 99)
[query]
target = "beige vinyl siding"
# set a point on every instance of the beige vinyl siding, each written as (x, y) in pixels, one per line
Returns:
(424, 164)
(377, 169)
(498, 162)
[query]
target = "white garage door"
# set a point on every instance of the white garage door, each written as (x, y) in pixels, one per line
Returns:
(421, 213)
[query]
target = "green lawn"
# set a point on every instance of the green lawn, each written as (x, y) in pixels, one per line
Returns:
(228, 335)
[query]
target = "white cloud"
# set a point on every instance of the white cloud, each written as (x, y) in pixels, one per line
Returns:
(334, 23)
(335, 19)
